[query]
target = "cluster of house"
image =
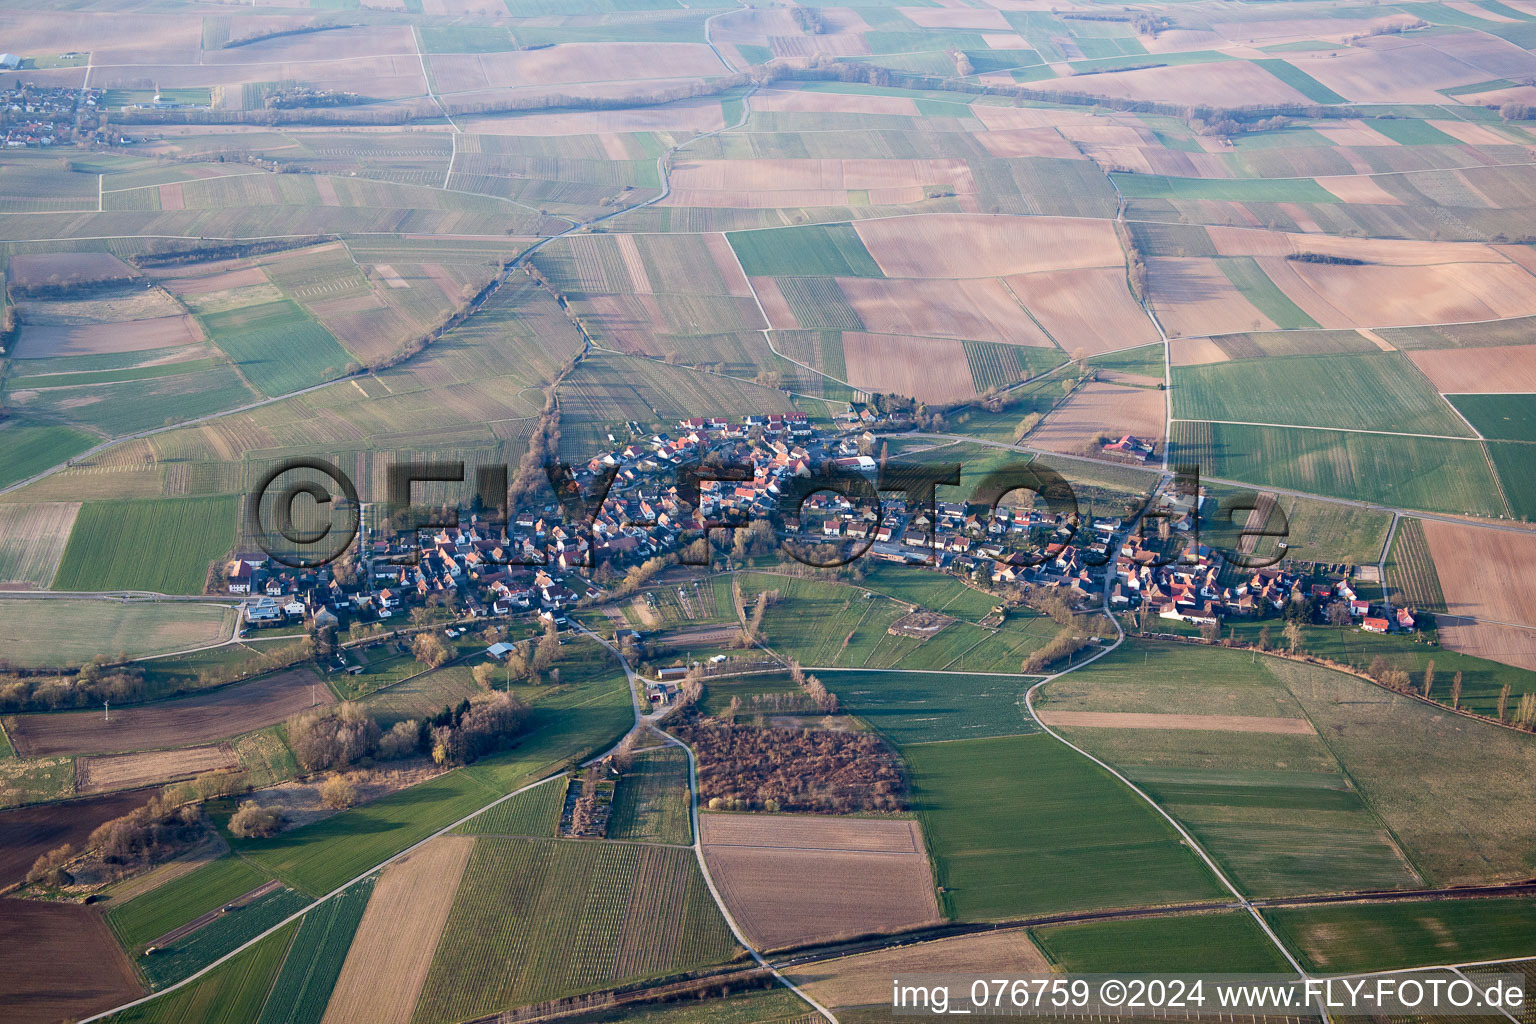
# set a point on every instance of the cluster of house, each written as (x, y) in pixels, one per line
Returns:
(1199, 588)
(540, 562)
(38, 116)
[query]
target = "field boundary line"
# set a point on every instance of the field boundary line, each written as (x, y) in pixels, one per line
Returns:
(646, 723)
(1029, 704)
(426, 79)
(698, 853)
(1360, 791)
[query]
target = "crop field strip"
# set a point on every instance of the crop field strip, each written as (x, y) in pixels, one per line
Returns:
(1226, 941)
(987, 803)
(146, 917)
(1223, 781)
(303, 986)
(534, 813)
(651, 801)
(1429, 473)
(166, 546)
(1411, 577)
(539, 918)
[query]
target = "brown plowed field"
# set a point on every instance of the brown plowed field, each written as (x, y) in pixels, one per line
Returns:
(1508, 368)
(1214, 83)
(27, 833)
(928, 369)
(1389, 70)
(58, 961)
(1211, 723)
(790, 880)
(387, 963)
(1396, 296)
(123, 771)
(1101, 410)
(979, 310)
(982, 245)
(1195, 352)
(957, 17)
(31, 269)
(585, 62)
(39, 341)
(186, 721)
(225, 281)
(801, 101)
(1486, 574)
(1509, 645)
(865, 980)
(1193, 297)
(1021, 142)
(1091, 310)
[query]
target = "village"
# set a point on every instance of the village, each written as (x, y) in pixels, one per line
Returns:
(38, 116)
(542, 564)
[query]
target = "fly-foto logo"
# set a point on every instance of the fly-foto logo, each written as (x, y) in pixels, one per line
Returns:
(307, 513)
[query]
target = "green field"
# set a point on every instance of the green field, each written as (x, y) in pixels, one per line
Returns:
(28, 637)
(1315, 531)
(232, 993)
(828, 250)
(1506, 417)
(164, 546)
(278, 346)
(303, 987)
(651, 801)
(27, 449)
(1433, 474)
(1481, 679)
(990, 806)
(178, 901)
(1412, 133)
(919, 707)
(1277, 811)
(994, 364)
(1236, 190)
(1369, 391)
(1249, 278)
(1375, 937)
(1450, 815)
(218, 937)
(536, 919)
(1189, 944)
(1299, 80)
(1513, 464)
(831, 624)
(1411, 577)
(533, 813)
(1146, 361)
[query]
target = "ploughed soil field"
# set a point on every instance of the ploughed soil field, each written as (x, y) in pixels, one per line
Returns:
(227, 711)
(58, 961)
(28, 832)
